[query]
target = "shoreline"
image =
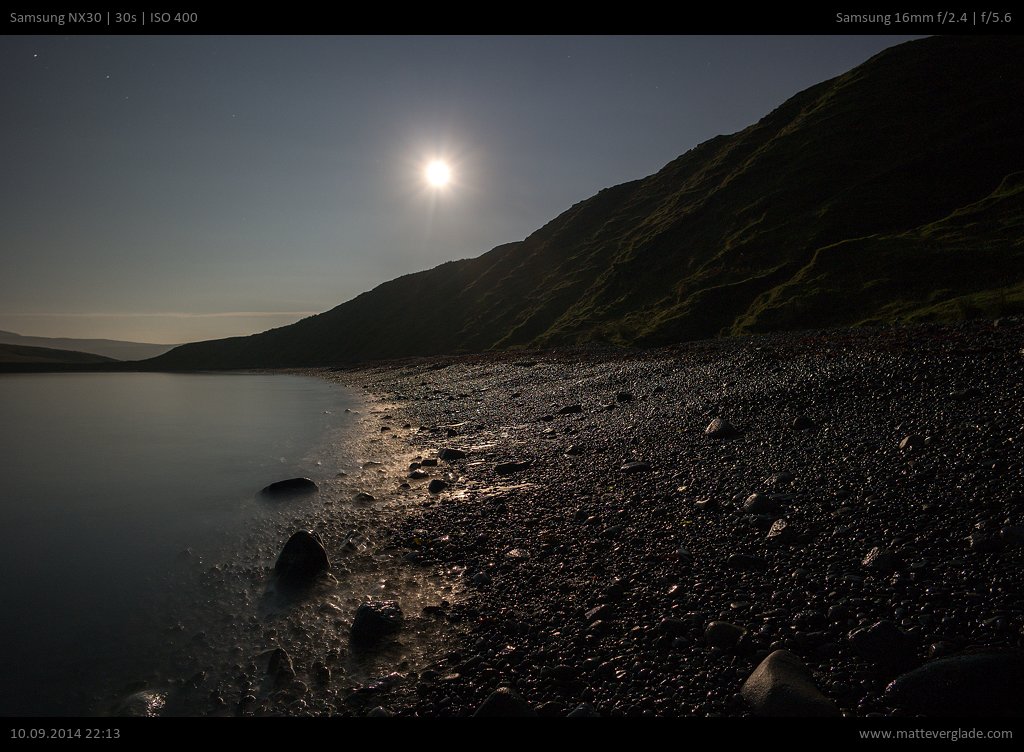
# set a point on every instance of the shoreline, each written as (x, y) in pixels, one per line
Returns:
(591, 582)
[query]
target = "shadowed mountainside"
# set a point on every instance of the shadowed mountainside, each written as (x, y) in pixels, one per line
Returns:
(893, 192)
(22, 354)
(109, 348)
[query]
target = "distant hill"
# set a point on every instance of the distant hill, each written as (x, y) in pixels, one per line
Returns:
(110, 348)
(887, 194)
(22, 354)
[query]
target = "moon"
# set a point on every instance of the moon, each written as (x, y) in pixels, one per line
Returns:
(438, 174)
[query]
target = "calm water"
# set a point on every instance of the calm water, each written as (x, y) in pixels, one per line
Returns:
(108, 482)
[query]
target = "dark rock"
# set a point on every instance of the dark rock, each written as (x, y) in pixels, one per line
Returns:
(635, 467)
(571, 409)
(279, 667)
(673, 627)
(781, 686)
(449, 454)
(504, 703)
(290, 487)
(802, 423)
(436, 486)
(375, 620)
(720, 428)
(781, 532)
(986, 539)
(145, 704)
(989, 683)
(507, 468)
(778, 480)
(882, 560)
(723, 634)
(364, 498)
(302, 558)
(584, 710)
(912, 443)
(418, 474)
(378, 712)
(745, 561)
(884, 644)
(624, 397)
(759, 503)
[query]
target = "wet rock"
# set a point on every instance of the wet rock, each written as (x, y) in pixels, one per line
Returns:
(302, 558)
(782, 686)
(146, 704)
(374, 621)
(635, 467)
(450, 454)
(882, 560)
(884, 644)
(436, 486)
(504, 703)
(507, 468)
(723, 634)
(290, 487)
(720, 428)
(986, 683)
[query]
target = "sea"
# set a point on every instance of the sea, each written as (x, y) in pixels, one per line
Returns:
(114, 484)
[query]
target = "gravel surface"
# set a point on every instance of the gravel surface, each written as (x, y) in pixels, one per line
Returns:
(638, 531)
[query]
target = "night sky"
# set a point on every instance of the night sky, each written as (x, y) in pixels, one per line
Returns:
(170, 189)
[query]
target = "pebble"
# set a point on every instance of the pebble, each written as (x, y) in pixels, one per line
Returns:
(882, 560)
(720, 428)
(723, 634)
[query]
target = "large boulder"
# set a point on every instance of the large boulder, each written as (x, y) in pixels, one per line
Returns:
(985, 683)
(374, 621)
(302, 559)
(781, 686)
(290, 487)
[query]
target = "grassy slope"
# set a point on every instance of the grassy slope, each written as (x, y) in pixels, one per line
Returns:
(968, 263)
(720, 240)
